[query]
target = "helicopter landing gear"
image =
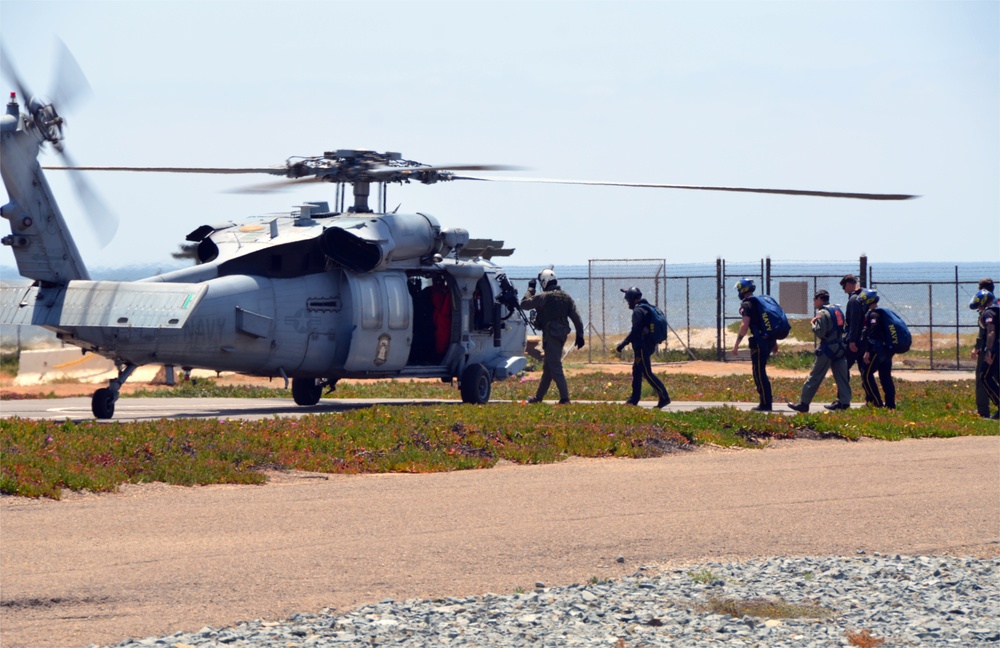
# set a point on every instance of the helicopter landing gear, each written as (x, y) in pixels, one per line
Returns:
(102, 403)
(306, 391)
(476, 385)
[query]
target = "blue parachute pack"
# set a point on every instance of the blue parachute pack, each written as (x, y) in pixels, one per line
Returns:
(771, 322)
(896, 336)
(657, 323)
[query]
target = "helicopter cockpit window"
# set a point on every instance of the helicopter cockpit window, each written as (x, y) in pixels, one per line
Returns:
(399, 302)
(371, 302)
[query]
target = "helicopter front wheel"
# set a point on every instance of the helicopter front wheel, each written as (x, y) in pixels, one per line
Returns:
(306, 391)
(103, 403)
(476, 385)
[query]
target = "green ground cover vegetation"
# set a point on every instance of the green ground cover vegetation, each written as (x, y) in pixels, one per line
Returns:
(41, 458)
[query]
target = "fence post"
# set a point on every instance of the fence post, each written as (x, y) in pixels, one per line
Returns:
(719, 274)
(958, 355)
(863, 270)
(930, 310)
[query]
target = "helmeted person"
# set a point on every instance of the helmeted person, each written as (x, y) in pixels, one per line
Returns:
(877, 359)
(643, 346)
(554, 309)
(760, 349)
(831, 354)
(854, 313)
(987, 351)
(983, 399)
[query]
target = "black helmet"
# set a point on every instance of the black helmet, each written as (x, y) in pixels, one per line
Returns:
(632, 294)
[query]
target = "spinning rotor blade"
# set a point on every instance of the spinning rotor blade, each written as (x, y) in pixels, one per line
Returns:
(446, 167)
(787, 192)
(102, 220)
(277, 185)
(71, 83)
(7, 71)
(216, 170)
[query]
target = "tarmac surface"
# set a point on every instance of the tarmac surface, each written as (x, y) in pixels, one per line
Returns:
(156, 559)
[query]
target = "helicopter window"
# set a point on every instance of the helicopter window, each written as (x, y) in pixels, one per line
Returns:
(482, 304)
(399, 302)
(371, 302)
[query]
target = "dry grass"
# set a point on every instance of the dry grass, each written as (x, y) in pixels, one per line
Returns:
(864, 639)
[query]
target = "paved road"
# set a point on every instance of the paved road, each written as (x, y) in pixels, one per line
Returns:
(157, 559)
(136, 409)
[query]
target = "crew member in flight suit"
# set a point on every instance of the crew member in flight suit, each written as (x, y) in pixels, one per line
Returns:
(553, 310)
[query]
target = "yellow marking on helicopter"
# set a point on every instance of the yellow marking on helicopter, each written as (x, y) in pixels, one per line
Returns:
(251, 228)
(71, 363)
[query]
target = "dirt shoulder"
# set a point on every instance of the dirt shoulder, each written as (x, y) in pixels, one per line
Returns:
(156, 559)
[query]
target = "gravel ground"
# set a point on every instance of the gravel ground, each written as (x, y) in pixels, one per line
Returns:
(836, 601)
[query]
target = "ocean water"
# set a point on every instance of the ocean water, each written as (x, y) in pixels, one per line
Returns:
(924, 294)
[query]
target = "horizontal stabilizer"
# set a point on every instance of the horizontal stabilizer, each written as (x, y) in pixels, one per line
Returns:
(101, 304)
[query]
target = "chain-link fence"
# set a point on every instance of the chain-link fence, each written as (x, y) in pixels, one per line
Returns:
(702, 307)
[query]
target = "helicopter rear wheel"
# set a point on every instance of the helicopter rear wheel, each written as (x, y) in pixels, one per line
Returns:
(102, 404)
(476, 385)
(306, 391)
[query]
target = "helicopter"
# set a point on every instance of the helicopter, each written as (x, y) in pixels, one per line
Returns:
(312, 296)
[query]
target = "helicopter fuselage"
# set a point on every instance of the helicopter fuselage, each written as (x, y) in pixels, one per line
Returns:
(312, 296)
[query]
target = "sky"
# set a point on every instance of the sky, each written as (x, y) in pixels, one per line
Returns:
(893, 97)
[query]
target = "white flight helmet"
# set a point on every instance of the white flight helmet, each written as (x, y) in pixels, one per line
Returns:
(546, 277)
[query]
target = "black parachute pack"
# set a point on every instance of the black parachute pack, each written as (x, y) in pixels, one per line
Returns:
(896, 336)
(657, 323)
(770, 322)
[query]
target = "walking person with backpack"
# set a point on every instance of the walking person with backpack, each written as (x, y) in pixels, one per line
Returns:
(828, 326)
(987, 352)
(983, 398)
(763, 317)
(885, 335)
(649, 328)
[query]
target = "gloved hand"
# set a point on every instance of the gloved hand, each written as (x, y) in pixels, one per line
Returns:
(620, 347)
(532, 283)
(579, 341)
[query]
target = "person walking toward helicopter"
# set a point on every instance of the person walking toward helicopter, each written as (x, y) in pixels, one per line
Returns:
(983, 397)
(987, 352)
(643, 346)
(554, 309)
(877, 358)
(764, 318)
(828, 326)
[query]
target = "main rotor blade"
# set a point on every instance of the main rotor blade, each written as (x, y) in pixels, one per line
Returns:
(787, 192)
(277, 185)
(445, 167)
(277, 170)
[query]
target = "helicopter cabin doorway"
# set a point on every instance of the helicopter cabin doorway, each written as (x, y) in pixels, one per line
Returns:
(435, 316)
